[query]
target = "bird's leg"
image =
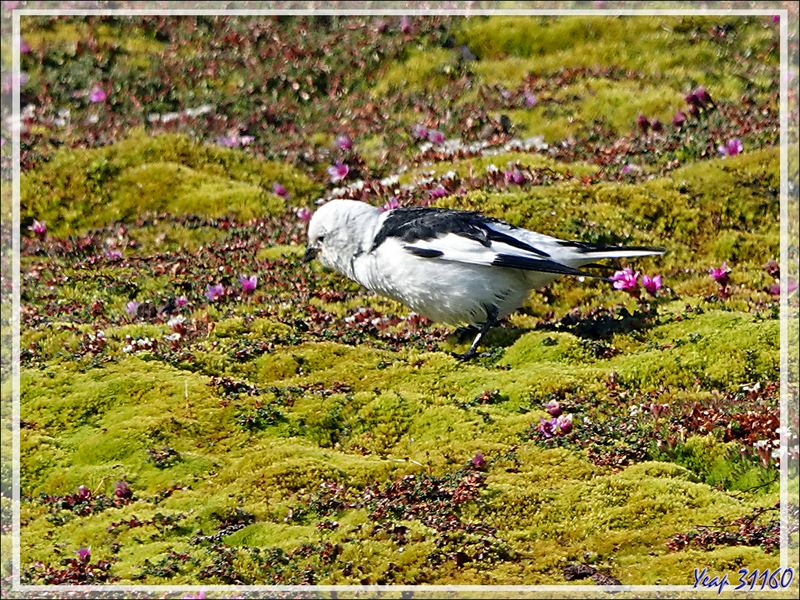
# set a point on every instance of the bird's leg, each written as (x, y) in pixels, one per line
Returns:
(465, 333)
(491, 320)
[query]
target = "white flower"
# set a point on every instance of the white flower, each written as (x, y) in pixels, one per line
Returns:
(356, 185)
(200, 110)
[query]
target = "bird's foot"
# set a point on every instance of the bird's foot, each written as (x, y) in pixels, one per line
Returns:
(491, 313)
(470, 355)
(463, 357)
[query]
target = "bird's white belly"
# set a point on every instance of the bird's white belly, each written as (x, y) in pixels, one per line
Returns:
(443, 291)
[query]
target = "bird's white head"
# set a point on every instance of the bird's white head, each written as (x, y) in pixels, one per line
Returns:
(340, 231)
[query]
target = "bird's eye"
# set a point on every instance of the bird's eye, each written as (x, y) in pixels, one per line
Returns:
(321, 239)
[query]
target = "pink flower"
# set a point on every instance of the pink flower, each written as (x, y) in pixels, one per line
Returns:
(181, 301)
(233, 140)
(435, 136)
(530, 100)
(343, 142)
(338, 171)
(84, 492)
(380, 25)
(625, 279)
(564, 423)
(547, 428)
(438, 192)
(97, 94)
(514, 175)
(132, 307)
(84, 554)
(553, 407)
(39, 228)
(721, 274)
(644, 123)
(560, 425)
(122, 489)
(698, 99)
(390, 204)
(419, 131)
(303, 214)
(679, 119)
(214, 291)
(773, 268)
(651, 284)
(656, 125)
(478, 461)
(702, 96)
(405, 25)
(112, 254)
(732, 148)
(279, 190)
(248, 283)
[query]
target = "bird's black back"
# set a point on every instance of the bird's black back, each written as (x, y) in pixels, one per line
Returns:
(416, 223)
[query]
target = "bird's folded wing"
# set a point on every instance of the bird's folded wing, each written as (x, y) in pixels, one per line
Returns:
(453, 247)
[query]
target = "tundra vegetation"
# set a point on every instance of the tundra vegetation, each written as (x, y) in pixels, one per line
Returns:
(199, 407)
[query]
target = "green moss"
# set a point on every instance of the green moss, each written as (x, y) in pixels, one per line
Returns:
(669, 56)
(159, 186)
(620, 102)
(717, 464)
(169, 173)
(265, 535)
(510, 47)
(423, 71)
(124, 410)
(128, 37)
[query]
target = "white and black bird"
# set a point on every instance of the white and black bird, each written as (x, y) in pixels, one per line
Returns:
(455, 267)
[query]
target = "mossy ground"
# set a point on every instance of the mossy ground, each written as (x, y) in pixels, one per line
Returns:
(309, 432)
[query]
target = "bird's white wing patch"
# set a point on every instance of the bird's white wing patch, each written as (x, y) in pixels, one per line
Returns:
(538, 241)
(455, 248)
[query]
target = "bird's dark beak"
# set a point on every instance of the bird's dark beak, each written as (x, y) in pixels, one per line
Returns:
(310, 254)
